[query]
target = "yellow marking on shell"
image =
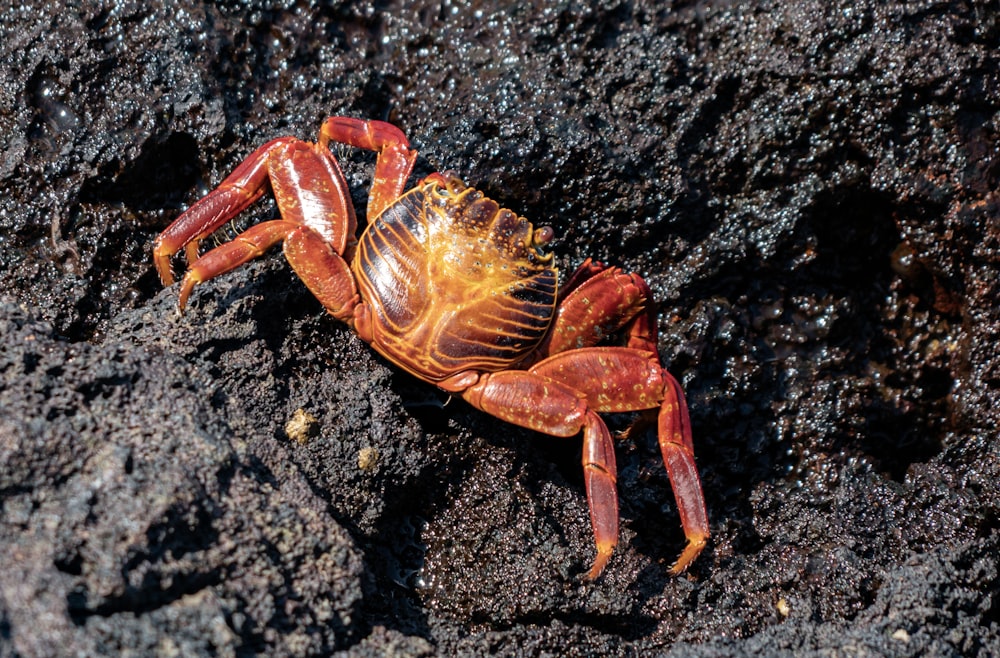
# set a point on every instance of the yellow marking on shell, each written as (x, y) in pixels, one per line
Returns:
(467, 213)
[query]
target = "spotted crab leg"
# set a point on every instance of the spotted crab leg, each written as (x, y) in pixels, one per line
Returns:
(619, 379)
(395, 157)
(542, 404)
(677, 449)
(596, 302)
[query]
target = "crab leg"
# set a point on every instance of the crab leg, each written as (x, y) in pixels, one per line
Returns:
(617, 379)
(587, 270)
(248, 245)
(595, 303)
(395, 158)
(541, 404)
(324, 271)
(240, 189)
(313, 200)
(674, 432)
(310, 190)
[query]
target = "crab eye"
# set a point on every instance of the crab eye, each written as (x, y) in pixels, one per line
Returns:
(542, 236)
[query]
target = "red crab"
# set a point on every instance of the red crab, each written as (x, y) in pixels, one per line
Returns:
(453, 288)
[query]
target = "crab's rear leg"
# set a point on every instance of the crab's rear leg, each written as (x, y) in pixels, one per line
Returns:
(598, 301)
(677, 448)
(240, 189)
(618, 379)
(395, 157)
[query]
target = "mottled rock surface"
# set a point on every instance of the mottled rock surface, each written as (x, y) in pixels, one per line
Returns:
(810, 188)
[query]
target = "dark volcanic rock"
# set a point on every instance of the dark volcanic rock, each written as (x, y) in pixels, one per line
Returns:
(810, 189)
(126, 497)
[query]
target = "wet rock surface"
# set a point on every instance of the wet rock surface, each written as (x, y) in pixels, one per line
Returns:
(809, 190)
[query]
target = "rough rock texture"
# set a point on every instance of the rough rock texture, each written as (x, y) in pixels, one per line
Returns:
(809, 188)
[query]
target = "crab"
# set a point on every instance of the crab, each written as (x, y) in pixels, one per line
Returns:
(458, 291)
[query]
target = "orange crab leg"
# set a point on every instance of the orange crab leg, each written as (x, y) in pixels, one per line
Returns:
(309, 189)
(595, 303)
(642, 331)
(324, 271)
(395, 158)
(248, 245)
(674, 432)
(617, 379)
(240, 189)
(600, 478)
(541, 404)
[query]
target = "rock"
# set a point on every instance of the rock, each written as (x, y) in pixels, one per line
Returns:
(809, 189)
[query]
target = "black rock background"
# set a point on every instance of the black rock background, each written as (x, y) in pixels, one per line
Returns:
(809, 188)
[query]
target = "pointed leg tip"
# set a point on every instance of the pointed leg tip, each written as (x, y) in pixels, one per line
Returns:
(163, 271)
(187, 285)
(597, 569)
(691, 551)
